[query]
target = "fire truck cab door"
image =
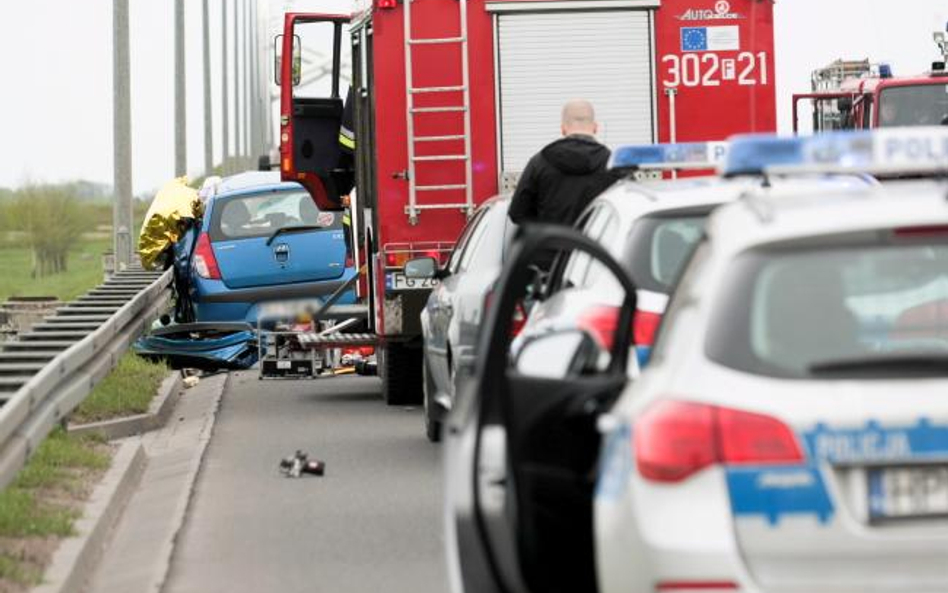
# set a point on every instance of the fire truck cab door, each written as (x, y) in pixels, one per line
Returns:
(312, 108)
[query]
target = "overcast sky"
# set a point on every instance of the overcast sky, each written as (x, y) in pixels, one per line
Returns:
(56, 56)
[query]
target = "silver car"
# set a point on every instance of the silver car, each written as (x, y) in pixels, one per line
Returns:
(454, 312)
(521, 441)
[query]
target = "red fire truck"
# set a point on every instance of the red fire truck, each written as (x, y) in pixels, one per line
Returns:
(452, 97)
(856, 94)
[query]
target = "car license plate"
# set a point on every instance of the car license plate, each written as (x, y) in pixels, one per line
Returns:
(904, 492)
(398, 281)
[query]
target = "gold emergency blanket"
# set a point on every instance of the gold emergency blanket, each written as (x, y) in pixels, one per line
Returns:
(165, 222)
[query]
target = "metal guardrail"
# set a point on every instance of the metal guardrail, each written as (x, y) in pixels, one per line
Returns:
(49, 370)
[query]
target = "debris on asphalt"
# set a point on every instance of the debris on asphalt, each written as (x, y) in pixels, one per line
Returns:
(300, 463)
(191, 381)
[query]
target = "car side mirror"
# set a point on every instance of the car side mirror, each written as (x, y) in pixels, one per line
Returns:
(556, 355)
(421, 268)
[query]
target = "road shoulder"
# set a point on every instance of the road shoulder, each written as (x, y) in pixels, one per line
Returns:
(140, 552)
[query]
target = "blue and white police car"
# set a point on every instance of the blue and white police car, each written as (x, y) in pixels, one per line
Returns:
(521, 442)
(791, 431)
(651, 225)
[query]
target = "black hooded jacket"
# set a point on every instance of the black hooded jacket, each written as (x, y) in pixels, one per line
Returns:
(561, 180)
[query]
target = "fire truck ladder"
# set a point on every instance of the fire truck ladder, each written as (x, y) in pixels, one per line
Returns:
(414, 208)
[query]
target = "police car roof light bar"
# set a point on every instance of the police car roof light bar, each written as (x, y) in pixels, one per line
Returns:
(892, 152)
(669, 157)
(754, 154)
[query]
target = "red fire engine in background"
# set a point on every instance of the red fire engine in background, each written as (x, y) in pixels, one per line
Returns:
(452, 97)
(855, 94)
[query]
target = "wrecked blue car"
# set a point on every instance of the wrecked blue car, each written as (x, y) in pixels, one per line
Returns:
(205, 346)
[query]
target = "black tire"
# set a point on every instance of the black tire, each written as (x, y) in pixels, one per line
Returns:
(400, 367)
(432, 426)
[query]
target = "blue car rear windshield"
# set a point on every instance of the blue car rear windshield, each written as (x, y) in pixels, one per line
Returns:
(259, 215)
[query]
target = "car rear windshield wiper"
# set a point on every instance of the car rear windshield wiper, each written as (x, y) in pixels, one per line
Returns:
(909, 364)
(293, 229)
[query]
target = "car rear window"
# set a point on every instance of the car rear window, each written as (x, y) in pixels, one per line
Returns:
(798, 313)
(259, 215)
(659, 246)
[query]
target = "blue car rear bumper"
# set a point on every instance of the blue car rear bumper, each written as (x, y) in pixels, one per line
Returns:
(214, 301)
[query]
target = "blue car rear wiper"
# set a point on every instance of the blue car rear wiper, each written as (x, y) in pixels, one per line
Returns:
(293, 229)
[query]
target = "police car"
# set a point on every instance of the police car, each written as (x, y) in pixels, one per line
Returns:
(791, 431)
(521, 442)
(650, 226)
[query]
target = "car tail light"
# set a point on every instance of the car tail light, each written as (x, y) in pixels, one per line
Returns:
(674, 440)
(519, 320)
(397, 259)
(519, 314)
(601, 320)
(745, 437)
(645, 327)
(703, 586)
(432, 253)
(387, 4)
(205, 263)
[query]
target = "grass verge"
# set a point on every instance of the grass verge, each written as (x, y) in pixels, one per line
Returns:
(126, 391)
(42, 504)
(84, 273)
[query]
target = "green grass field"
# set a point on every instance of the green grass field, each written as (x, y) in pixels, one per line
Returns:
(85, 271)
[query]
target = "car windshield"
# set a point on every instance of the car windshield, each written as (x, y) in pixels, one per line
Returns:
(916, 105)
(801, 313)
(259, 215)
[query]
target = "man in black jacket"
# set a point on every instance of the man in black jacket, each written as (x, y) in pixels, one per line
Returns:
(564, 177)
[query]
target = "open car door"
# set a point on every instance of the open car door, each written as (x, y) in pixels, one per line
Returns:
(311, 107)
(521, 444)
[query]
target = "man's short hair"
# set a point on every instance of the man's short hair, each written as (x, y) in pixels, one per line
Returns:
(578, 113)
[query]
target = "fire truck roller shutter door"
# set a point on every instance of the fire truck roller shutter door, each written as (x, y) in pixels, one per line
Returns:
(546, 59)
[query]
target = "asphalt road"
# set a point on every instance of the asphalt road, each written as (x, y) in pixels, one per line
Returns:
(372, 523)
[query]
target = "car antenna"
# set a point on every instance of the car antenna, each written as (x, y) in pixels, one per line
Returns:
(762, 211)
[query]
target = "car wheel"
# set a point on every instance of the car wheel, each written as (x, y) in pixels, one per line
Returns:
(432, 426)
(401, 374)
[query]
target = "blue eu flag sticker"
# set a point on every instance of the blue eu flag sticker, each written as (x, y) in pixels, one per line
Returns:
(694, 39)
